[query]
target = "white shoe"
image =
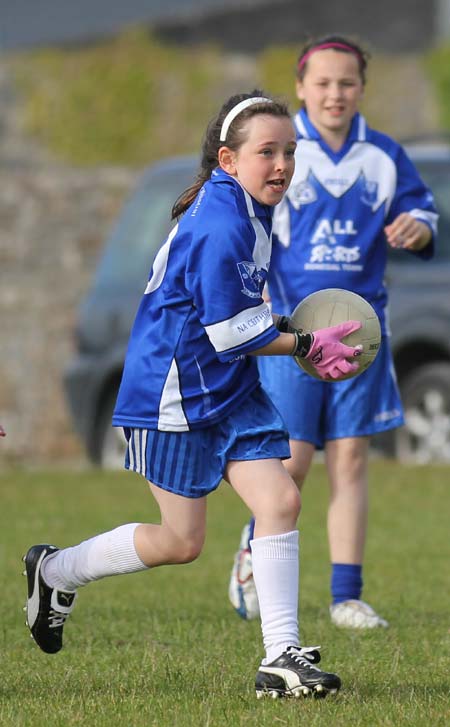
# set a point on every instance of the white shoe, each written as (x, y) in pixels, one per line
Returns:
(354, 614)
(242, 589)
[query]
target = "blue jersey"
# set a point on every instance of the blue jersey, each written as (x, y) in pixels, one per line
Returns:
(328, 230)
(202, 312)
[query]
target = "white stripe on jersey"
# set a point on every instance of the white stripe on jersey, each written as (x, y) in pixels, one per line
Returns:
(263, 245)
(282, 222)
(243, 327)
(171, 415)
(263, 242)
(160, 264)
(248, 202)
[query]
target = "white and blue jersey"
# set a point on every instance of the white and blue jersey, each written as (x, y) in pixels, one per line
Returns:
(186, 366)
(328, 230)
(329, 233)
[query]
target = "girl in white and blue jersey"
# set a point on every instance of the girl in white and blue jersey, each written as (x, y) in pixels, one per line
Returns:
(191, 403)
(354, 193)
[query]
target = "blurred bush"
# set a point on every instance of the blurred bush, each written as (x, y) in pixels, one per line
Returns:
(437, 63)
(133, 99)
(129, 100)
(277, 66)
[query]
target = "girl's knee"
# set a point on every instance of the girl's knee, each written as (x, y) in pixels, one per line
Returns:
(187, 549)
(288, 503)
(191, 551)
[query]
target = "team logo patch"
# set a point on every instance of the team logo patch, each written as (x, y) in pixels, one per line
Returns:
(301, 194)
(253, 280)
(369, 194)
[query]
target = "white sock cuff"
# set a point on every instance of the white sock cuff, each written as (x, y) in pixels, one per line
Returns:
(118, 550)
(275, 547)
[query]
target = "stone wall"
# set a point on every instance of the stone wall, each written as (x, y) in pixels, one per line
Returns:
(52, 223)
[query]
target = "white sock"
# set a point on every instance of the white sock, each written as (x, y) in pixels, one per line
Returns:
(275, 570)
(108, 554)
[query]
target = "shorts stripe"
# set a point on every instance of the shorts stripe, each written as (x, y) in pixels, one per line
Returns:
(131, 451)
(137, 443)
(144, 451)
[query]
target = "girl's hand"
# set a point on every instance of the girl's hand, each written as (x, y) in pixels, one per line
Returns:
(329, 355)
(407, 232)
(2, 431)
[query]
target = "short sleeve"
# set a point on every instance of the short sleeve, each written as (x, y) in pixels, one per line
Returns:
(226, 286)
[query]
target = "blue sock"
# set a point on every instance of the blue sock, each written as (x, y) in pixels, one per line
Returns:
(251, 531)
(346, 581)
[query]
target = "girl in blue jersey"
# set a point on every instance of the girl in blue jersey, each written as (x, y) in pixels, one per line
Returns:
(191, 402)
(354, 192)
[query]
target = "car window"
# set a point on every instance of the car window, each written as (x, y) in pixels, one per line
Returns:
(437, 177)
(141, 229)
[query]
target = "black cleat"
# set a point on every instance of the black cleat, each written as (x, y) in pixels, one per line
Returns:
(293, 674)
(47, 608)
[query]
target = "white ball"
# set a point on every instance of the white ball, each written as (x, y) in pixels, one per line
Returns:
(332, 306)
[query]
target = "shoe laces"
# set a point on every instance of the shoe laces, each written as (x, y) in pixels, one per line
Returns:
(304, 655)
(56, 619)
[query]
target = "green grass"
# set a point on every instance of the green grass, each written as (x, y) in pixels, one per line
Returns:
(164, 648)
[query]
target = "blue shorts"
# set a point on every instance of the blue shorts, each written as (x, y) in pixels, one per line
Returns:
(193, 463)
(316, 411)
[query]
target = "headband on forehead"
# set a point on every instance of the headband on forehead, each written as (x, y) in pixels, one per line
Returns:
(236, 110)
(325, 46)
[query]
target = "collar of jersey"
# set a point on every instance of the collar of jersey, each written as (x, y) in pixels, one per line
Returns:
(254, 208)
(306, 130)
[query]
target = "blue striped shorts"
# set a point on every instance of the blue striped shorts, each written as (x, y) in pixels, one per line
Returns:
(193, 463)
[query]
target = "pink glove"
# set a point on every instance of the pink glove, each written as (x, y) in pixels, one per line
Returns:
(329, 356)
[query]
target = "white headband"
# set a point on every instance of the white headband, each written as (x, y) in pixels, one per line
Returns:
(236, 110)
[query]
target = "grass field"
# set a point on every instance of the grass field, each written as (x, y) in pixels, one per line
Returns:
(165, 648)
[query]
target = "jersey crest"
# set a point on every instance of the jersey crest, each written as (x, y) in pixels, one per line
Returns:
(369, 193)
(253, 280)
(302, 193)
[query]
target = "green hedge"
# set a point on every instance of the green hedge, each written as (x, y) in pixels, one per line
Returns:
(437, 63)
(133, 99)
(129, 100)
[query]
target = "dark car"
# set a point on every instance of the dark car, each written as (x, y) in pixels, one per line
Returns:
(419, 317)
